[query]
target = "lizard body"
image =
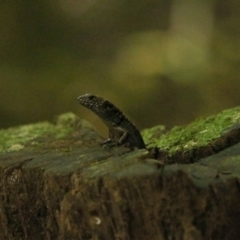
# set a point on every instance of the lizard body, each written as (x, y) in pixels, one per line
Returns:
(121, 129)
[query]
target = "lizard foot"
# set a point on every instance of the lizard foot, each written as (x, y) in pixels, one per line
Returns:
(109, 143)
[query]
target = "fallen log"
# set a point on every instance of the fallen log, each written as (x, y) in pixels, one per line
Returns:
(58, 183)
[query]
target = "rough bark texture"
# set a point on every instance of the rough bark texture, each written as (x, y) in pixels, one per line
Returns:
(70, 188)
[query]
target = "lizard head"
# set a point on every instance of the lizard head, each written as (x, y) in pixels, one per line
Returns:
(90, 101)
(101, 107)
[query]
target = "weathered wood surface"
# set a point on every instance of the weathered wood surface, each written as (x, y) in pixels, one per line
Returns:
(67, 187)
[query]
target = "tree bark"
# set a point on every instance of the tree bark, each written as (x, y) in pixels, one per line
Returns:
(68, 187)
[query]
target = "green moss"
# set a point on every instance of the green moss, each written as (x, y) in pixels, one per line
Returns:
(13, 139)
(199, 133)
(150, 135)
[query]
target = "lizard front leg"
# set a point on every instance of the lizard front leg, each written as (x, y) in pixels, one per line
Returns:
(117, 136)
(123, 135)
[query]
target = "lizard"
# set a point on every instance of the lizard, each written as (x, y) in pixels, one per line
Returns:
(121, 130)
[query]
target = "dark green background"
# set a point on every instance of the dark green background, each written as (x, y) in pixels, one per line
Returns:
(161, 62)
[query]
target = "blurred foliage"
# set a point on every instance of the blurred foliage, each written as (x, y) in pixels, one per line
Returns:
(162, 62)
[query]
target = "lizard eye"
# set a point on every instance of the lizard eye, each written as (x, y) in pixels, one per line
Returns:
(91, 97)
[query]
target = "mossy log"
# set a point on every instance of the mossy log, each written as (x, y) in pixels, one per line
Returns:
(58, 183)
